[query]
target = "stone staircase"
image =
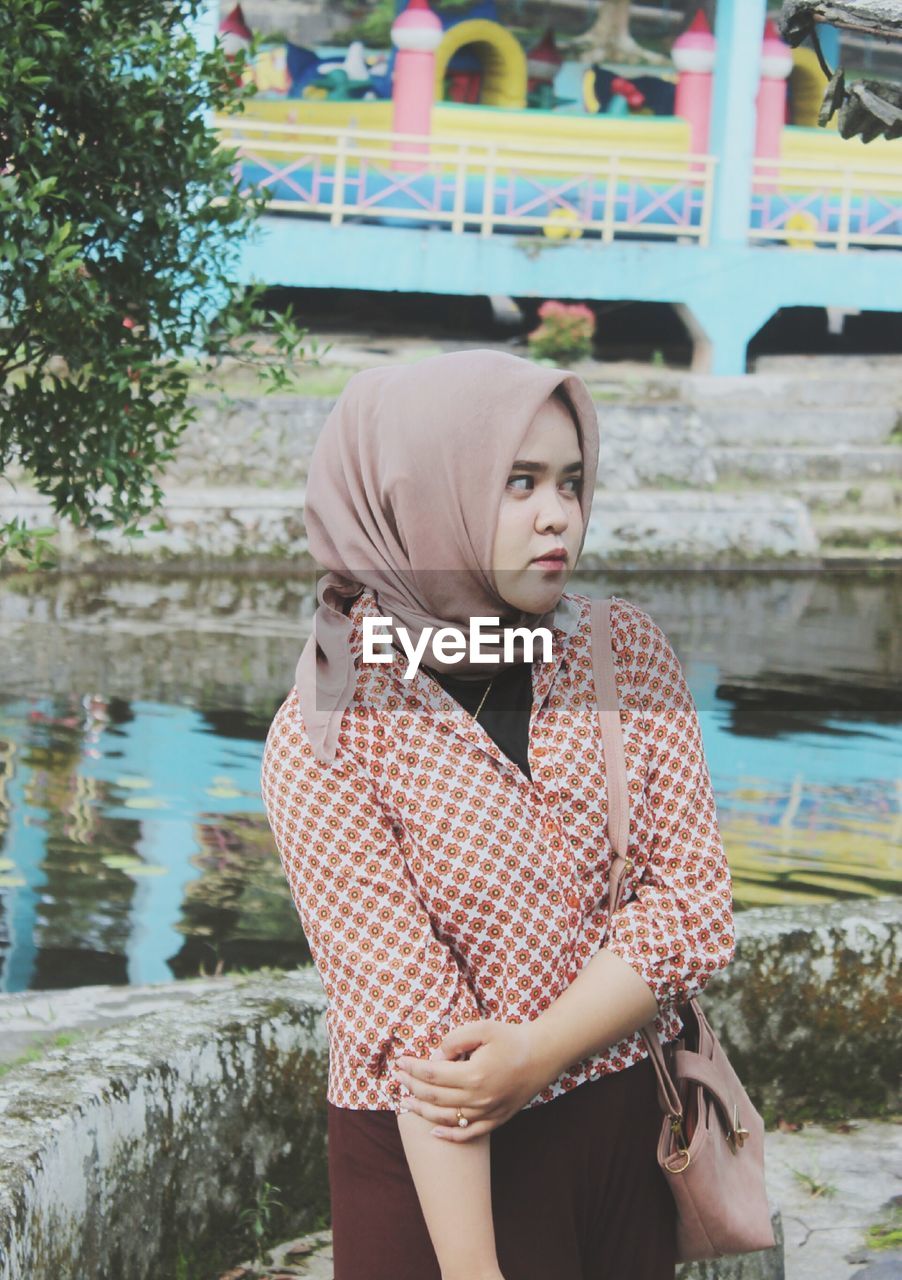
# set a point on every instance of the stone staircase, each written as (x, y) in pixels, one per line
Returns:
(829, 438)
(799, 462)
(819, 445)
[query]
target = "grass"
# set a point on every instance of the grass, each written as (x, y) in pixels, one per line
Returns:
(236, 380)
(37, 1051)
(813, 1183)
(63, 1039)
(887, 1233)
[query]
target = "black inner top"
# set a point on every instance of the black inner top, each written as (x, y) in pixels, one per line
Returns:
(506, 710)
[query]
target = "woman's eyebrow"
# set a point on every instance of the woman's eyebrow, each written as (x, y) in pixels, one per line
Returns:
(539, 467)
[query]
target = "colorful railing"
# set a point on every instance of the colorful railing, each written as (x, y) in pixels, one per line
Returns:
(488, 187)
(805, 204)
(469, 185)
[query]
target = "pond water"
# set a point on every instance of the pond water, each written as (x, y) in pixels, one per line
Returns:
(133, 710)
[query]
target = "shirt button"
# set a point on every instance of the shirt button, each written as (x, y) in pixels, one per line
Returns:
(572, 899)
(550, 827)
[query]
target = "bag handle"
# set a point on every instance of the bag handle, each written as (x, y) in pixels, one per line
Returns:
(619, 812)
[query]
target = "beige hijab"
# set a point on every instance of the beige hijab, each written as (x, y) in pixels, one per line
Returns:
(403, 493)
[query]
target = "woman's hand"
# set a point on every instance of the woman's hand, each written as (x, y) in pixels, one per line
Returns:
(503, 1072)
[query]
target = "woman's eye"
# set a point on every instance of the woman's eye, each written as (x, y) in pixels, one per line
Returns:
(575, 481)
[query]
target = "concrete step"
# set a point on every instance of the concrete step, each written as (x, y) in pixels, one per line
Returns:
(827, 381)
(861, 531)
(685, 524)
(819, 367)
(785, 465)
(763, 393)
(881, 497)
(697, 526)
(782, 423)
(753, 391)
(732, 424)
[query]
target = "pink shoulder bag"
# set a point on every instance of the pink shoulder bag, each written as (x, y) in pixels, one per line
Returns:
(711, 1146)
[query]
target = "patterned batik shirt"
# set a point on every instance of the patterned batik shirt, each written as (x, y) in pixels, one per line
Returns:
(437, 884)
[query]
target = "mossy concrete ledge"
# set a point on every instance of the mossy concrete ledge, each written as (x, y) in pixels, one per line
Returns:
(808, 1010)
(148, 1139)
(120, 1151)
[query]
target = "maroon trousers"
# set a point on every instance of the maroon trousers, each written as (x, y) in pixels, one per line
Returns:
(577, 1193)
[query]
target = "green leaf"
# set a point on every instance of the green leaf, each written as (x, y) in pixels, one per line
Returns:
(109, 215)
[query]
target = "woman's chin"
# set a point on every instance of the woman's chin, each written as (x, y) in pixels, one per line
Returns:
(538, 596)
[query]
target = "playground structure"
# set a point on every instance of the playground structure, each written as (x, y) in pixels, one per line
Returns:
(414, 191)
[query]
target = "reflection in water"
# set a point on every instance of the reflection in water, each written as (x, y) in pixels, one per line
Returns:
(133, 846)
(145, 859)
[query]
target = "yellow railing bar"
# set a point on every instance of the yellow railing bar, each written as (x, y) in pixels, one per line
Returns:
(449, 140)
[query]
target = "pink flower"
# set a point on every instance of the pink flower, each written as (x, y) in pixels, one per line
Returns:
(567, 312)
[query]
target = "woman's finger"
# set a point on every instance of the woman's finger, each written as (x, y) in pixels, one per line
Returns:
(446, 1116)
(475, 1129)
(438, 1095)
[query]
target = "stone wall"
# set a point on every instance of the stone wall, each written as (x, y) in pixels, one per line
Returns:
(156, 1129)
(770, 468)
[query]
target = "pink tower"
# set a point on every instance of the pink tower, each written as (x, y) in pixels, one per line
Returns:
(693, 56)
(776, 64)
(416, 34)
(234, 33)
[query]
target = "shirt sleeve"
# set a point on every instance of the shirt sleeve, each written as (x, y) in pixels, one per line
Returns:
(392, 985)
(676, 928)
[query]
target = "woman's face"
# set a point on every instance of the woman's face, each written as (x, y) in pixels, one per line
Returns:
(540, 513)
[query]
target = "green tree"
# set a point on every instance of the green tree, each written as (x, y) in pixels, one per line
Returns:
(121, 226)
(374, 26)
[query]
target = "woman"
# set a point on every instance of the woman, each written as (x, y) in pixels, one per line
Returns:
(492, 1110)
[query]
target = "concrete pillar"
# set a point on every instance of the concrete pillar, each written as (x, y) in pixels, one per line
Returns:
(205, 24)
(721, 328)
(737, 31)
(204, 27)
(725, 318)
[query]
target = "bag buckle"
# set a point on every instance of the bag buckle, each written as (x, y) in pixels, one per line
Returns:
(737, 1135)
(676, 1129)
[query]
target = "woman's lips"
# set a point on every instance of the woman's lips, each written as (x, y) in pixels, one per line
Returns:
(550, 563)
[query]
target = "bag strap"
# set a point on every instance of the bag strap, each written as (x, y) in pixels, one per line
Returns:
(619, 811)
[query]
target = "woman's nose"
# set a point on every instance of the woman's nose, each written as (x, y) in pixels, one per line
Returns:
(552, 514)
